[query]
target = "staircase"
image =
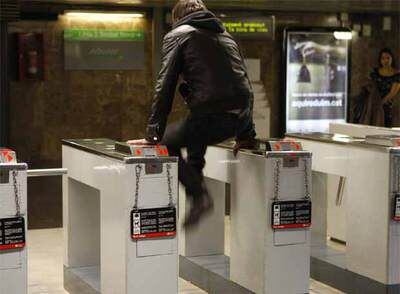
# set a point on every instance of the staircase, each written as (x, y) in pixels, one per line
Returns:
(262, 109)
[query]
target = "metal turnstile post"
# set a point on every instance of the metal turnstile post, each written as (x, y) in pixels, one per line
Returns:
(13, 228)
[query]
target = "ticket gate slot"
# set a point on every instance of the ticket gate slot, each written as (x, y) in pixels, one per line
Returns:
(13, 224)
(278, 145)
(142, 150)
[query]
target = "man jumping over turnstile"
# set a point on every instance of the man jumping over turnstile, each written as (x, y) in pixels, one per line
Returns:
(216, 89)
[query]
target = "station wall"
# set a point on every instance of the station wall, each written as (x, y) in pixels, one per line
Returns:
(73, 104)
(116, 104)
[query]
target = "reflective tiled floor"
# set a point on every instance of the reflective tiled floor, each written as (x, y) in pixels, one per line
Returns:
(46, 266)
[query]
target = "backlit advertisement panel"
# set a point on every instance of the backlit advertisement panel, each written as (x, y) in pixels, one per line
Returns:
(316, 79)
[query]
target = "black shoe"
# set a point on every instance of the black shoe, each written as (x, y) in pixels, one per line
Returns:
(199, 209)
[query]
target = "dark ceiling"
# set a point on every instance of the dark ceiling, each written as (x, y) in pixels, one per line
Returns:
(370, 6)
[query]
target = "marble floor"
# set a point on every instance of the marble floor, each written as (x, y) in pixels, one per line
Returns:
(45, 264)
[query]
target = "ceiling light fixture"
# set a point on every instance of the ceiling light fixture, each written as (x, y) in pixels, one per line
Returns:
(342, 35)
(103, 15)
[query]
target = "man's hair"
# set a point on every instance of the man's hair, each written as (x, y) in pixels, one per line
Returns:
(186, 7)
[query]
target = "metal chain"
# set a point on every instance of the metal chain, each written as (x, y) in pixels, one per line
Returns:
(277, 174)
(16, 193)
(138, 171)
(397, 170)
(306, 179)
(169, 177)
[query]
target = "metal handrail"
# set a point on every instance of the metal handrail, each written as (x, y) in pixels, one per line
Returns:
(47, 172)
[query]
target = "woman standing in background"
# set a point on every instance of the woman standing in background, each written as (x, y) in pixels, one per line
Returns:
(387, 79)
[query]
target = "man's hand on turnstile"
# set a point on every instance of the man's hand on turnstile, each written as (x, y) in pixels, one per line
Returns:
(244, 144)
(139, 142)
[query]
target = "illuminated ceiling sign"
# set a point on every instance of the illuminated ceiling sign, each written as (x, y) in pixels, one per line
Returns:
(250, 27)
(103, 35)
(92, 49)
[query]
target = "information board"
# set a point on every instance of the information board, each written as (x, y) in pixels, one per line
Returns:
(291, 214)
(396, 210)
(316, 80)
(12, 233)
(261, 27)
(90, 49)
(153, 223)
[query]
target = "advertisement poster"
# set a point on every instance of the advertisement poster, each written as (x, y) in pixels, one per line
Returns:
(91, 49)
(316, 80)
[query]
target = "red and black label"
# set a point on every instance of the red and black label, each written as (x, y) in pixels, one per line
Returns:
(396, 209)
(291, 214)
(12, 233)
(153, 223)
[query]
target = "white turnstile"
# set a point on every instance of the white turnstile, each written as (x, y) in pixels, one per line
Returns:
(337, 185)
(263, 259)
(13, 227)
(369, 263)
(119, 214)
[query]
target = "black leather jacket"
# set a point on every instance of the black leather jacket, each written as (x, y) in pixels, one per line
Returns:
(210, 63)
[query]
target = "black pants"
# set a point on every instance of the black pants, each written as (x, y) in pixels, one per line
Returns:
(195, 133)
(388, 111)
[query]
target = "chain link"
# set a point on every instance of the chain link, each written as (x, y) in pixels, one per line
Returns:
(16, 193)
(277, 174)
(306, 179)
(169, 180)
(138, 171)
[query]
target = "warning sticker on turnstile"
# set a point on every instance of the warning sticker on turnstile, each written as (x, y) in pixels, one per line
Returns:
(12, 233)
(291, 214)
(153, 223)
(396, 214)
